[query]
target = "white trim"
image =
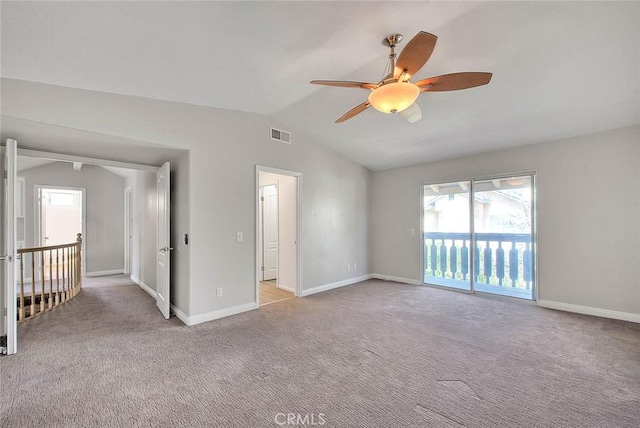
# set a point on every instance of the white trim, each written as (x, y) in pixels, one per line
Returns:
(337, 284)
(148, 289)
(396, 279)
(221, 313)
(589, 310)
(86, 160)
(285, 288)
(299, 226)
(145, 287)
(104, 272)
(179, 314)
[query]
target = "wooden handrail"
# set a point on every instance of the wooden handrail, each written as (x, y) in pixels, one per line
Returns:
(50, 247)
(63, 283)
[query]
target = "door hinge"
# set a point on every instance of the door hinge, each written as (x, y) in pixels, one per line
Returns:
(6, 174)
(262, 268)
(262, 198)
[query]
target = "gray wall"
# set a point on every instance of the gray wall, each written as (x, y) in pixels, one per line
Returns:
(104, 240)
(588, 212)
(144, 204)
(588, 207)
(224, 147)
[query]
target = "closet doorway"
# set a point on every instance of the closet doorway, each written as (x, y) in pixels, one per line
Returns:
(277, 232)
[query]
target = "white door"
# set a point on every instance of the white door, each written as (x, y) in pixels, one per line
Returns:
(164, 251)
(270, 232)
(8, 253)
(127, 231)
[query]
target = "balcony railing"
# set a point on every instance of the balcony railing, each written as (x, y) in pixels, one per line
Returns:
(503, 262)
(48, 277)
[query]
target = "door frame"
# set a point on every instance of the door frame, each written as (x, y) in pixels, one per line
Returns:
(534, 231)
(299, 226)
(127, 231)
(37, 220)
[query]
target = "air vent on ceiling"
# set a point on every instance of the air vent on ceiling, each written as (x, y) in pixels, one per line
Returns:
(282, 136)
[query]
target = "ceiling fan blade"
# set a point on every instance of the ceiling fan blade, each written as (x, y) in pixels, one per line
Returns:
(454, 81)
(412, 114)
(345, 84)
(354, 111)
(415, 54)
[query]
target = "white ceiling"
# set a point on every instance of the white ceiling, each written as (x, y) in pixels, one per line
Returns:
(58, 139)
(560, 68)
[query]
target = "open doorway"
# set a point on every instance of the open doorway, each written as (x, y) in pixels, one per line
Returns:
(60, 214)
(277, 230)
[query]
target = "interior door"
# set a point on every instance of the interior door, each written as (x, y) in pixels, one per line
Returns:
(8, 255)
(164, 251)
(270, 232)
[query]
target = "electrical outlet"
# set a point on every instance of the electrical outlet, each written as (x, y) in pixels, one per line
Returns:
(348, 266)
(355, 266)
(219, 292)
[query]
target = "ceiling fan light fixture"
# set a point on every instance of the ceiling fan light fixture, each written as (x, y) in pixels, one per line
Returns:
(394, 97)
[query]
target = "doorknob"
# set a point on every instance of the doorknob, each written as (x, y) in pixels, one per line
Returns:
(5, 257)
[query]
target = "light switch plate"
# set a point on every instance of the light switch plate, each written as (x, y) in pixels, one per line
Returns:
(239, 237)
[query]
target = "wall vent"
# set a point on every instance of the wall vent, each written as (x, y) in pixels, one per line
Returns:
(282, 136)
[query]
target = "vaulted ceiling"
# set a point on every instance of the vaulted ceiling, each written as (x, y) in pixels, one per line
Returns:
(560, 68)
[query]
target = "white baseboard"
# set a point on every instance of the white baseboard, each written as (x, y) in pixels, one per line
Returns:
(181, 315)
(396, 279)
(285, 288)
(104, 272)
(145, 287)
(210, 316)
(588, 310)
(333, 285)
(148, 289)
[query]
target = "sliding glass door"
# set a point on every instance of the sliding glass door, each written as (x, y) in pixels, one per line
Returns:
(497, 236)
(446, 234)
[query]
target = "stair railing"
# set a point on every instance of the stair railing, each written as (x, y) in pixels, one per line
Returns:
(49, 276)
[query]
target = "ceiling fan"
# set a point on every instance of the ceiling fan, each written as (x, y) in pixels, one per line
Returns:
(395, 93)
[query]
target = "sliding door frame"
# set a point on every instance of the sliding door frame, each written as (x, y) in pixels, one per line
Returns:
(534, 238)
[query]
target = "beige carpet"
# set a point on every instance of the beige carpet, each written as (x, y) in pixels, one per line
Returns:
(374, 354)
